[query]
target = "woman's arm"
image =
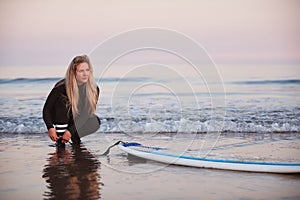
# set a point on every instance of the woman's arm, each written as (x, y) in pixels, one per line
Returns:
(47, 113)
(48, 108)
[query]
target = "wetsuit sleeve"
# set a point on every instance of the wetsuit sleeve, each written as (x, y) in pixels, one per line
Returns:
(49, 106)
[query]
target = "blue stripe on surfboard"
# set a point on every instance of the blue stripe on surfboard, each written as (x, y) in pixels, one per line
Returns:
(135, 144)
(207, 159)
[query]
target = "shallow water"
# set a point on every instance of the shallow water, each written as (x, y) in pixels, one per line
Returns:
(31, 168)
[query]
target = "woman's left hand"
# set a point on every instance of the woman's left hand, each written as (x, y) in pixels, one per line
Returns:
(66, 136)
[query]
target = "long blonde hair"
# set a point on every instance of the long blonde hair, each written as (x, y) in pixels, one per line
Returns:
(72, 87)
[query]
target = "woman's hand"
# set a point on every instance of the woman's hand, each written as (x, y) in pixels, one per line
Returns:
(66, 137)
(52, 134)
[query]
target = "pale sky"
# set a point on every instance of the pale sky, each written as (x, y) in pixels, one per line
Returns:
(51, 32)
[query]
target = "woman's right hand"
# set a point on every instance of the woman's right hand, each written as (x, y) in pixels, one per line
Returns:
(52, 134)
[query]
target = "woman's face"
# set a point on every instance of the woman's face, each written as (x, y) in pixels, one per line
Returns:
(82, 73)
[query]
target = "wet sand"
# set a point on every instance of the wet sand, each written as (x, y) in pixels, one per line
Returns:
(31, 168)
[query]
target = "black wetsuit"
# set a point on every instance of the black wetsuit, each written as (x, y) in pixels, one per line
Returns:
(56, 112)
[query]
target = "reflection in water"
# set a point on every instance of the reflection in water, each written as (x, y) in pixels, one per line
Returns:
(132, 160)
(72, 174)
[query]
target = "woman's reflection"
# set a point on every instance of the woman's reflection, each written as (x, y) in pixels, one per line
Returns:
(71, 173)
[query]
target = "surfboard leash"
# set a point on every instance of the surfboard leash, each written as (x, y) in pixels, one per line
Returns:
(108, 149)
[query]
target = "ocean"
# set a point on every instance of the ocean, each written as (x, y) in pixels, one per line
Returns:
(257, 99)
(251, 113)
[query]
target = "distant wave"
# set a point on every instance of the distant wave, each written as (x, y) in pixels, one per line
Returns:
(270, 82)
(55, 79)
(27, 80)
(143, 79)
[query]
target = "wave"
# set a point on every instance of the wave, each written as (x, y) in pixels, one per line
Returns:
(270, 82)
(55, 79)
(170, 125)
(143, 79)
(27, 80)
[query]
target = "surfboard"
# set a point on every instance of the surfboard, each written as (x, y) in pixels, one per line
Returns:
(162, 155)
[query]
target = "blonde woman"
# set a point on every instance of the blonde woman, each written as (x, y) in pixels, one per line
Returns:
(69, 111)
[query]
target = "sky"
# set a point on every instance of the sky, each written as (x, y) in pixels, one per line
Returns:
(51, 32)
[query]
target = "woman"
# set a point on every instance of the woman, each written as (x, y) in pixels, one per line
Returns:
(69, 111)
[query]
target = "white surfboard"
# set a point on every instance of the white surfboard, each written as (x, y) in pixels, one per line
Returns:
(161, 155)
